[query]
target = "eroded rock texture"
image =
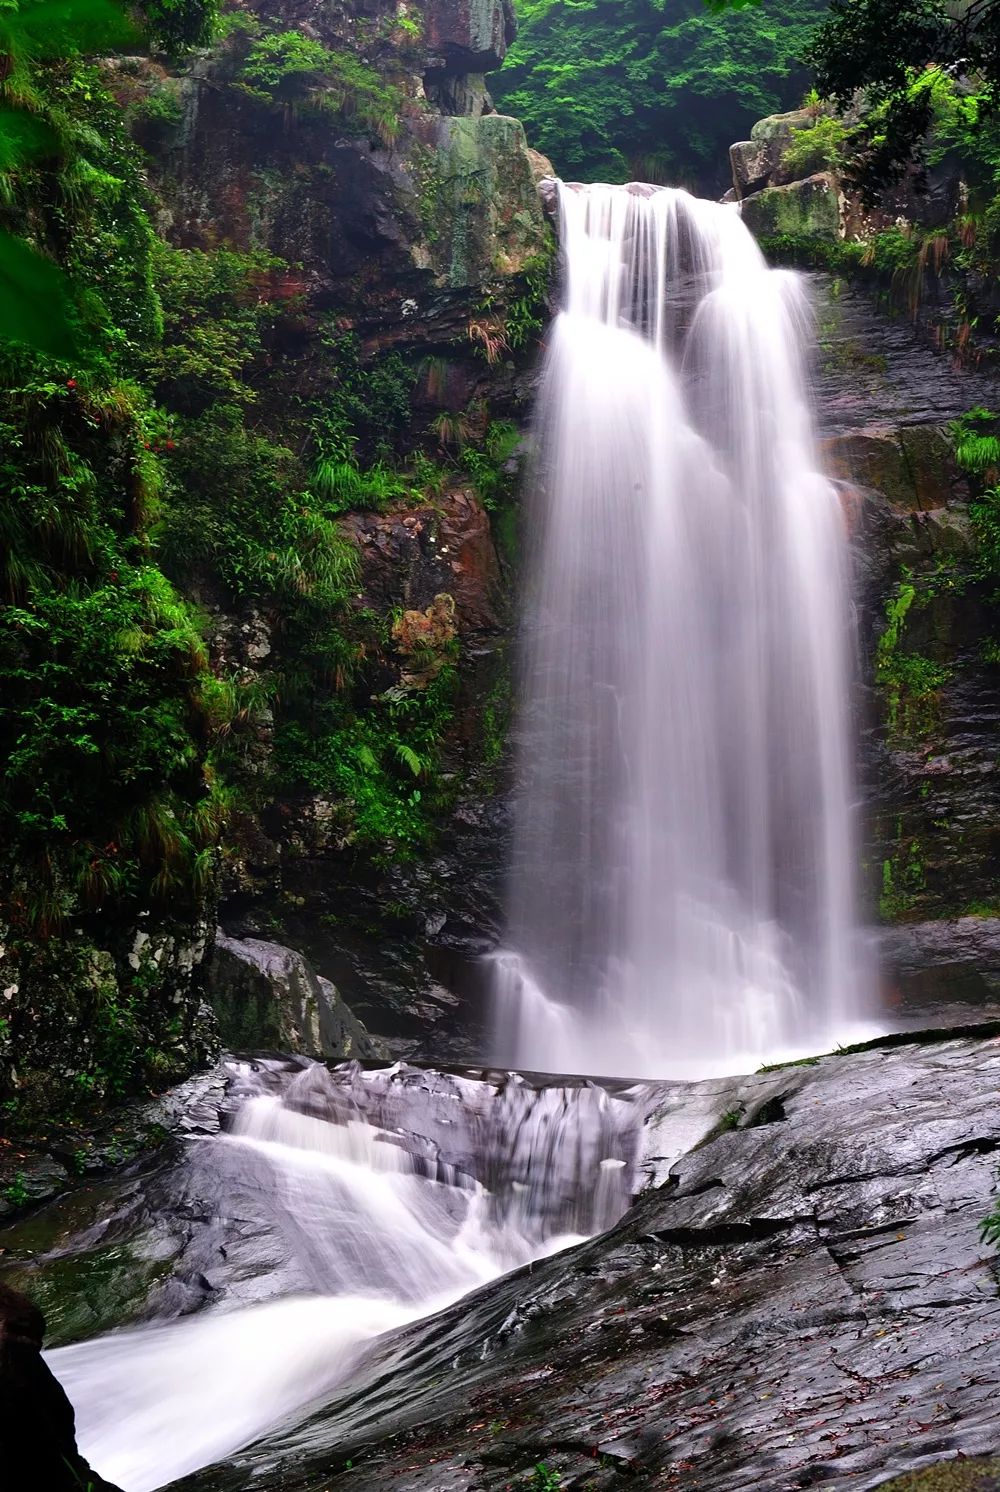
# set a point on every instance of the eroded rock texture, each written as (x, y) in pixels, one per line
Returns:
(929, 708)
(805, 1302)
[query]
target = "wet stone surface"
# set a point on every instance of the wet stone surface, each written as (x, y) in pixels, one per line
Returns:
(805, 1302)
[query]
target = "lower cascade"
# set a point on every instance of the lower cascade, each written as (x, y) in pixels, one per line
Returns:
(362, 1201)
(682, 889)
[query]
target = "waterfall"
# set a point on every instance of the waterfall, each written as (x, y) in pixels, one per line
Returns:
(682, 884)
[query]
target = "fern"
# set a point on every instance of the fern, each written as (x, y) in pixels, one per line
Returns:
(977, 447)
(411, 759)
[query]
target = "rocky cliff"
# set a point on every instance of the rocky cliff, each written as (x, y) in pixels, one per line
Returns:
(894, 380)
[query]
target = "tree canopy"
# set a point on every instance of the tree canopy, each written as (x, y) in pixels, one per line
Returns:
(659, 89)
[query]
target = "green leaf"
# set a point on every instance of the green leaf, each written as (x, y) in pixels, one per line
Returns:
(34, 300)
(64, 28)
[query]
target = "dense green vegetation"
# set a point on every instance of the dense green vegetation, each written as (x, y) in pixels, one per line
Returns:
(651, 89)
(181, 435)
(883, 47)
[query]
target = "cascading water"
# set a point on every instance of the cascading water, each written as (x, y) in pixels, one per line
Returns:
(339, 1206)
(681, 893)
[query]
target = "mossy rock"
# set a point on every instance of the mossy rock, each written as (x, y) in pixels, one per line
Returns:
(804, 209)
(782, 126)
(930, 456)
(971, 1474)
(480, 205)
(913, 467)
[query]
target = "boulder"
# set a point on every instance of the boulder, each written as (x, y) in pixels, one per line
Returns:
(37, 1426)
(268, 996)
(809, 209)
(469, 36)
(758, 162)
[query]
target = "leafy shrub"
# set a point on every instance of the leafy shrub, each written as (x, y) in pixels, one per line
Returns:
(816, 147)
(289, 65)
(977, 446)
(380, 763)
(179, 25)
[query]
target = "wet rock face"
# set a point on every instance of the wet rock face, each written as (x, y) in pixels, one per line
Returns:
(958, 957)
(807, 1301)
(400, 232)
(268, 996)
(929, 709)
(470, 35)
(414, 234)
(411, 555)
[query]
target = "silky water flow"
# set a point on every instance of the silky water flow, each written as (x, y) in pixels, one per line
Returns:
(335, 1207)
(682, 890)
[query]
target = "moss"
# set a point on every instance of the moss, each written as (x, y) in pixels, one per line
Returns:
(910, 681)
(970, 1474)
(803, 211)
(903, 879)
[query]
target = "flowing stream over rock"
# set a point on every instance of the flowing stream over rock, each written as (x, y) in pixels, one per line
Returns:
(364, 1201)
(682, 888)
(682, 893)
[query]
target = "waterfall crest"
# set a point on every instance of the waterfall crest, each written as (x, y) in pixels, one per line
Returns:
(682, 885)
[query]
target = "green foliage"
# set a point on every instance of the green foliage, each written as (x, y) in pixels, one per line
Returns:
(898, 51)
(37, 302)
(989, 1228)
(487, 461)
(977, 451)
(290, 66)
(102, 730)
(216, 313)
(656, 89)
(528, 314)
(17, 1192)
(286, 55)
(817, 147)
(365, 408)
(977, 447)
(379, 764)
(984, 513)
(544, 1479)
(179, 25)
(911, 682)
(342, 486)
(29, 283)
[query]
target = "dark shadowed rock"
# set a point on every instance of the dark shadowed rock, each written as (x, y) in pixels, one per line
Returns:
(269, 996)
(37, 1427)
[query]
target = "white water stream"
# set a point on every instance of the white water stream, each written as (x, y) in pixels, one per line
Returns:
(682, 892)
(351, 1192)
